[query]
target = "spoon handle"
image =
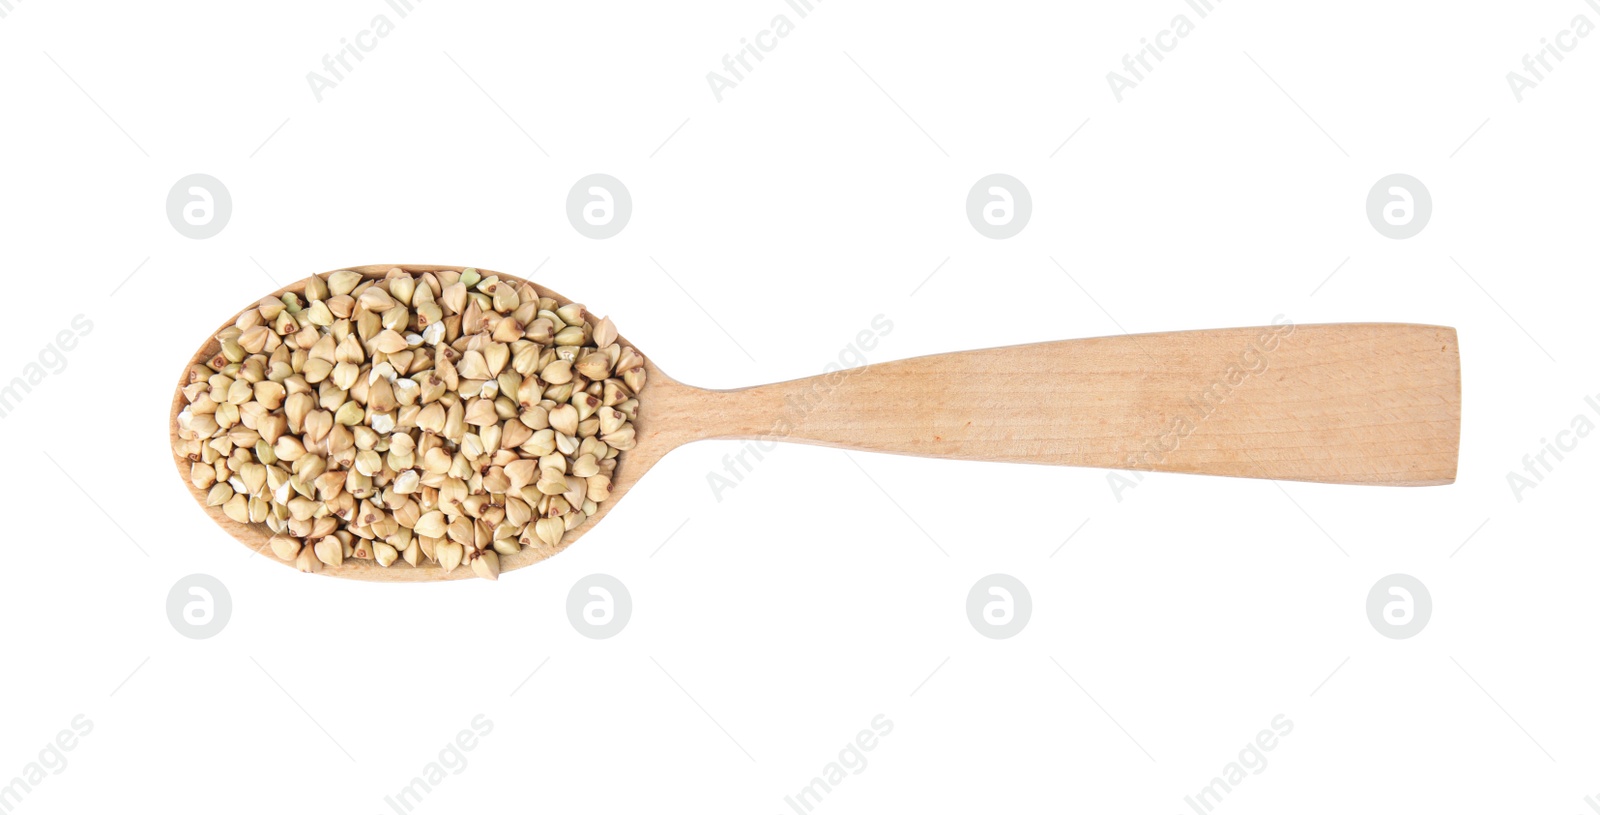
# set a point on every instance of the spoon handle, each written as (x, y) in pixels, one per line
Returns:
(1354, 403)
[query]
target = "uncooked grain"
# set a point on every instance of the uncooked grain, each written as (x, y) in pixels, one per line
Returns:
(441, 416)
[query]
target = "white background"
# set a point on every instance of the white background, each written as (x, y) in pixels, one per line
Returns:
(776, 623)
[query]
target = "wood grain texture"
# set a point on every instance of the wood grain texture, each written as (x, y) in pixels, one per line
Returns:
(1360, 403)
(1343, 404)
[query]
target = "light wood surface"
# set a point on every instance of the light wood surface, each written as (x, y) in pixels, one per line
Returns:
(1344, 404)
(1358, 403)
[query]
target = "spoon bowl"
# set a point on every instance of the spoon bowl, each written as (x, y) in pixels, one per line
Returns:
(630, 465)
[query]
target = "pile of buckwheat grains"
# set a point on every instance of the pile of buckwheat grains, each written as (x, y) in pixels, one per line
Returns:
(435, 416)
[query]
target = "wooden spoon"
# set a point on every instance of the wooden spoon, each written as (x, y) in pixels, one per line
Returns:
(1352, 403)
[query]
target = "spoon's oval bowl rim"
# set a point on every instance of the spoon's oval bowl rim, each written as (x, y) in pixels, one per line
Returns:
(631, 464)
